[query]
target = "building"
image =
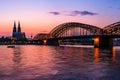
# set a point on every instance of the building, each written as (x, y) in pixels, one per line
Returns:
(17, 34)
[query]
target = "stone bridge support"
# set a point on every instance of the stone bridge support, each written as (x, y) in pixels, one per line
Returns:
(52, 42)
(103, 42)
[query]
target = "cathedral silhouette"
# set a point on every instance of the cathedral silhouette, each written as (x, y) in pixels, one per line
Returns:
(17, 34)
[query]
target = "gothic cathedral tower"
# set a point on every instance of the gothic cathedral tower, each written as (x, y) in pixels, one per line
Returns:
(19, 28)
(17, 32)
(14, 30)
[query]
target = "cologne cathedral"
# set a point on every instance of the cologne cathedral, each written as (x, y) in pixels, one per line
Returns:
(17, 34)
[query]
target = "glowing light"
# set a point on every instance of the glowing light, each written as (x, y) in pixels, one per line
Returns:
(96, 42)
(44, 42)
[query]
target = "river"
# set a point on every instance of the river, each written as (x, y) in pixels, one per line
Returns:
(34, 62)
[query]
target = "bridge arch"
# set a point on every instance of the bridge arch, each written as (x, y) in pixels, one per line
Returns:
(112, 29)
(40, 36)
(66, 29)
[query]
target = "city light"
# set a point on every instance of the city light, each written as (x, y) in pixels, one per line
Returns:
(96, 42)
(44, 42)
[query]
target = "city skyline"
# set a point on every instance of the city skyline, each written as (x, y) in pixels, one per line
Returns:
(41, 16)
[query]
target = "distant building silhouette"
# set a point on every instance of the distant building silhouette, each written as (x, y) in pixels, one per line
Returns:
(17, 32)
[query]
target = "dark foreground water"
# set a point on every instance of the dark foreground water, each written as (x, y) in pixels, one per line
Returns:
(59, 63)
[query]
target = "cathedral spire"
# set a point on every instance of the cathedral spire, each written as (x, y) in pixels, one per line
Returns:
(19, 28)
(17, 34)
(14, 28)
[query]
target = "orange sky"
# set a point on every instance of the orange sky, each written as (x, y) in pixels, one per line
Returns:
(38, 16)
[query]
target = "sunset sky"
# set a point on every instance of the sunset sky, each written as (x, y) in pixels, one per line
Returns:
(41, 16)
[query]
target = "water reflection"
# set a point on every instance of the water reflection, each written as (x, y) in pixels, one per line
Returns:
(17, 56)
(96, 55)
(16, 59)
(58, 63)
(114, 54)
(104, 54)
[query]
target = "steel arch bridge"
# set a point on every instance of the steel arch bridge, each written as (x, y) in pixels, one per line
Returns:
(74, 29)
(102, 37)
(80, 29)
(112, 29)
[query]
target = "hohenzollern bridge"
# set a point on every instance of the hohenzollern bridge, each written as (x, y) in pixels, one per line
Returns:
(74, 33)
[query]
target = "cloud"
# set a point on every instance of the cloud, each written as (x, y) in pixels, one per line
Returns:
(74, 13)
(110, 7)
(82, 13)
(114, 8)
(55, 13)
(118, 8)
(88, 13)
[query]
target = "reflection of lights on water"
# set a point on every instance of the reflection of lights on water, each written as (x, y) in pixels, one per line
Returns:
(96, 54)
(44, 42)
(113, 54)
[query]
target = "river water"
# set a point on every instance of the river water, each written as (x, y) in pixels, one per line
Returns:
(31, 62)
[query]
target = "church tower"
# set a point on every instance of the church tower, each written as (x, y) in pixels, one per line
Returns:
(14, 29)
(19, 28)
(17, 32)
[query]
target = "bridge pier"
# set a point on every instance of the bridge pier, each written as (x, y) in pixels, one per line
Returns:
(52, 42)
(100, 41)
(103, 42)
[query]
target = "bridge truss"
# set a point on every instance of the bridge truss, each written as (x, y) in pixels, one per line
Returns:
(74, 29)
(113, 29)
